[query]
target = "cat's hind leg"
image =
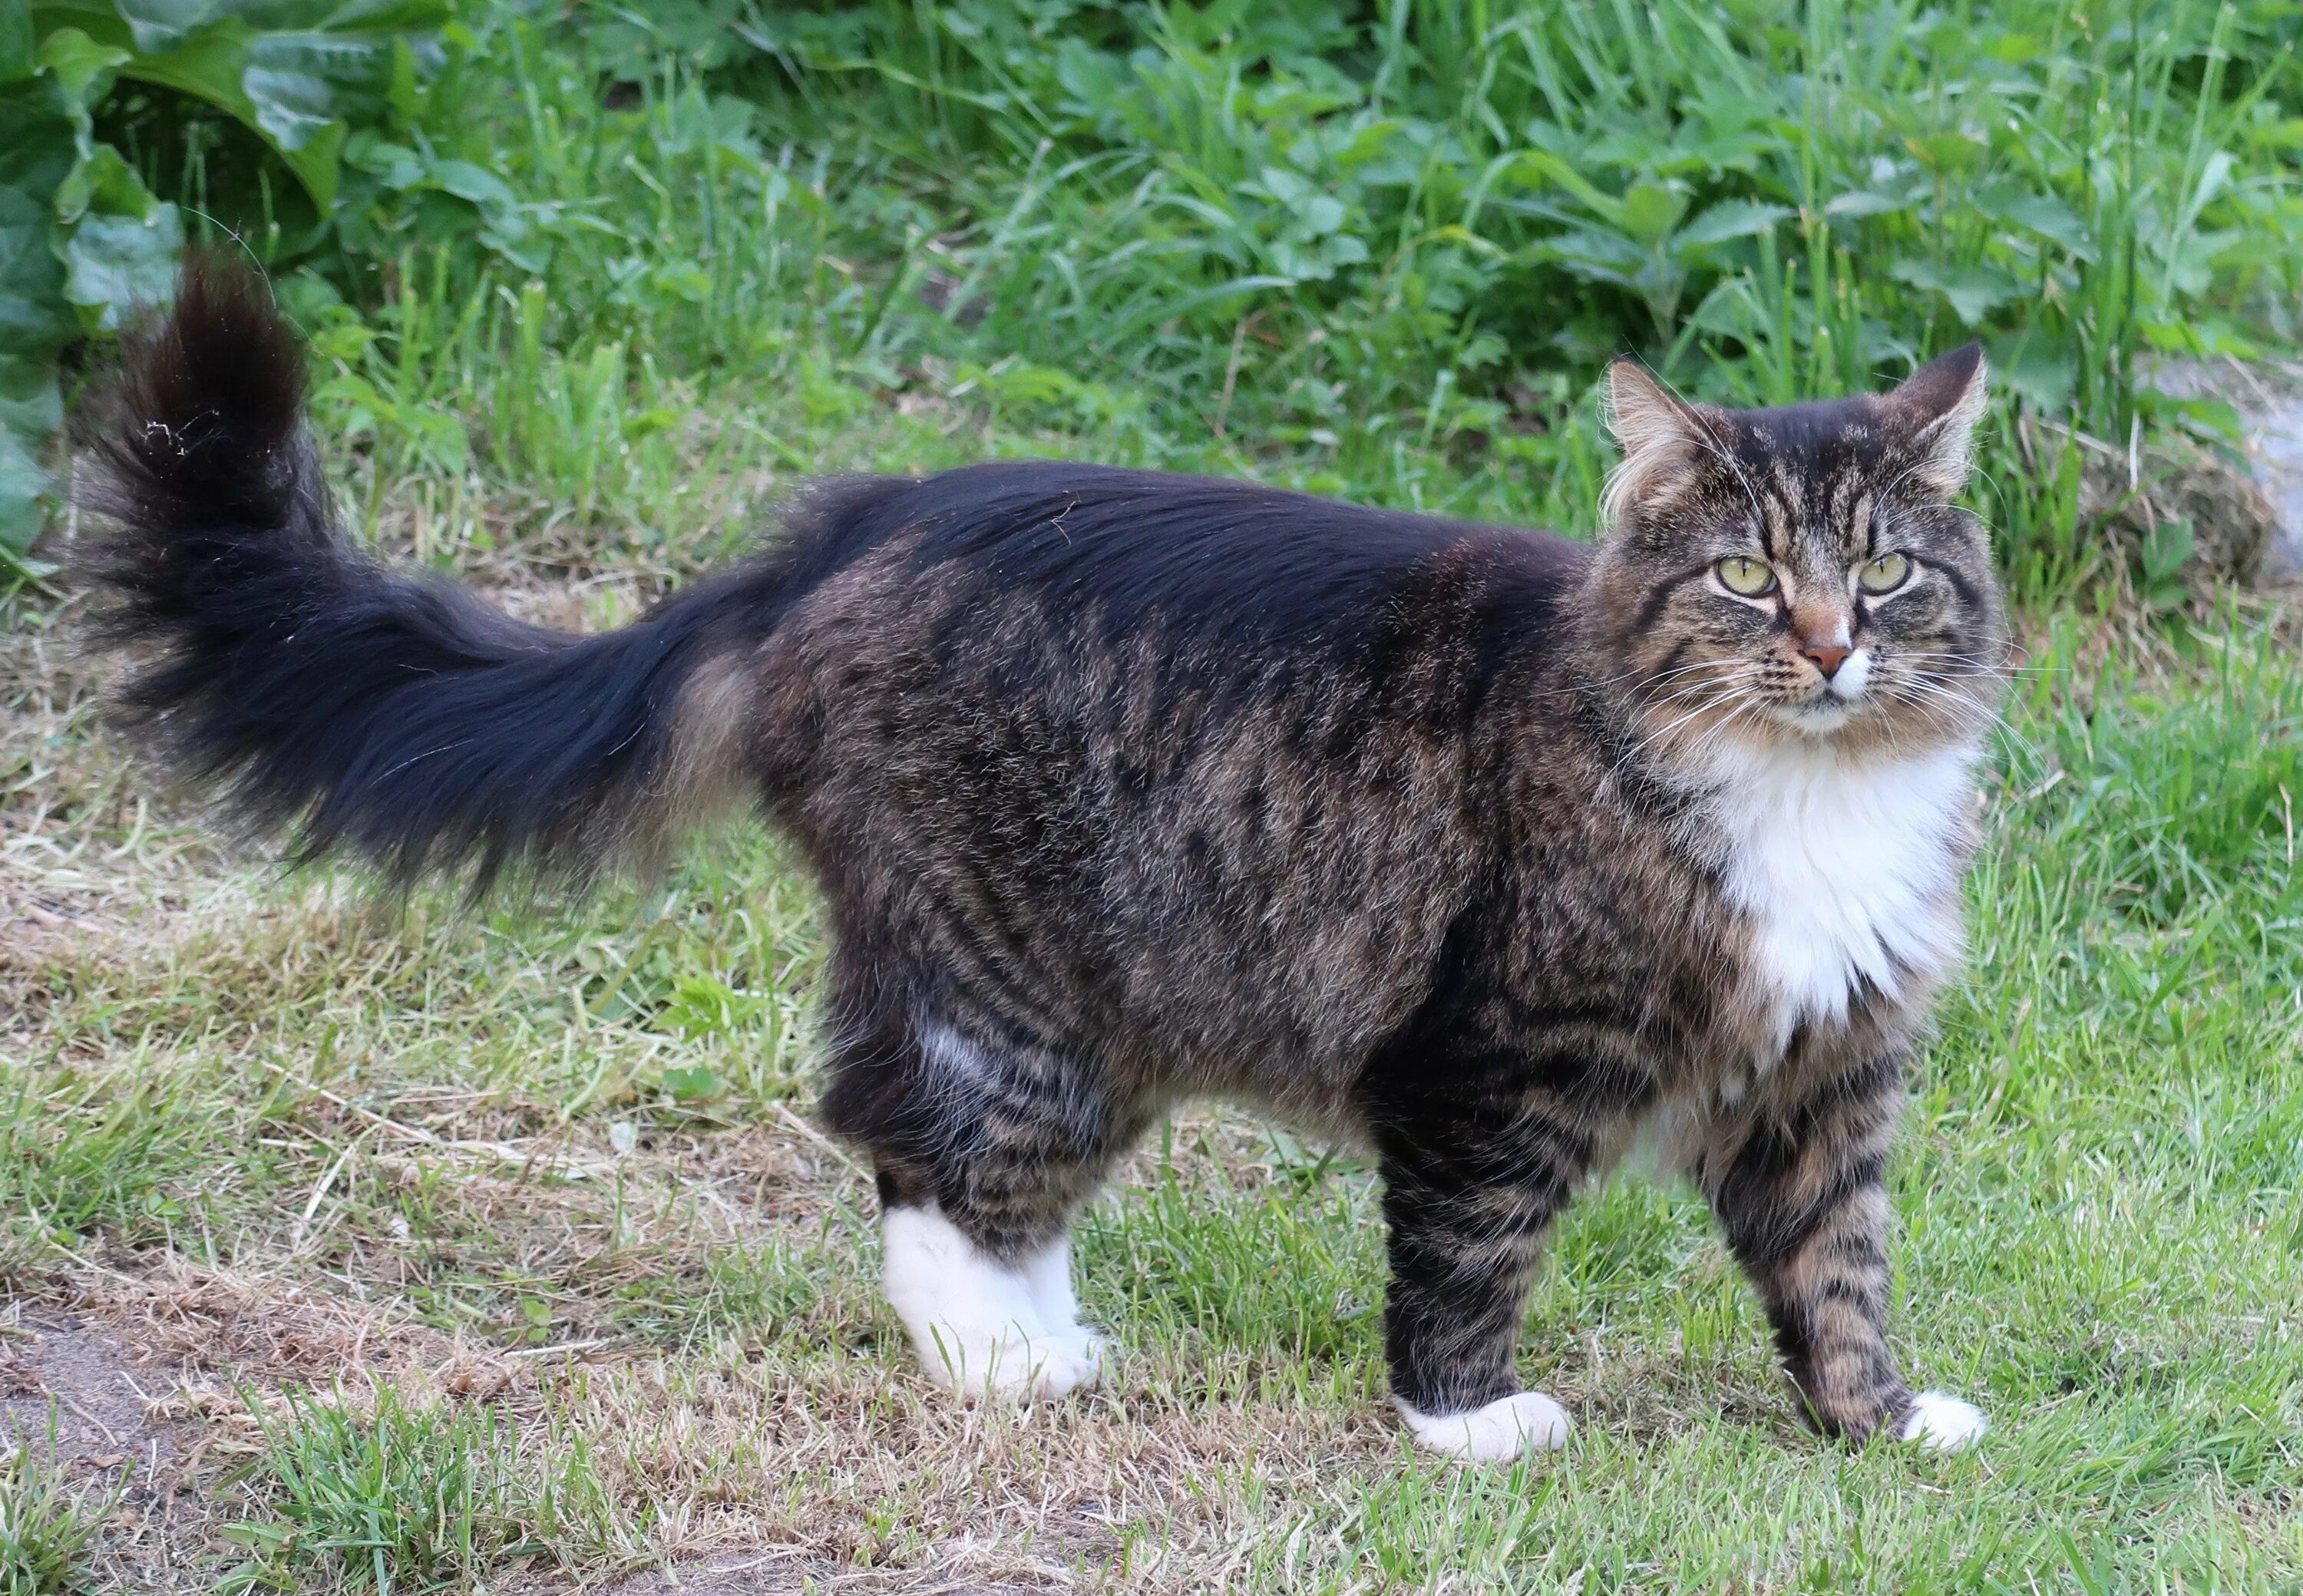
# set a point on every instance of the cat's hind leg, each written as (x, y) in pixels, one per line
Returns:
(985, 1146)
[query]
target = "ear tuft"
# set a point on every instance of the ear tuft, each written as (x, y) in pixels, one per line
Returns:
(1662, 441)
(1940, 403)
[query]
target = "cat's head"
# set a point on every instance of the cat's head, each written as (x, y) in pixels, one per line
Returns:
(1798, 575)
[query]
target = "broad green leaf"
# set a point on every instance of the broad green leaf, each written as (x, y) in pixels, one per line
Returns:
(30, 278)
(79, 231)
(1595, 247)
(2042, 214)
(17, 60)
(159, 25)
(1733, 152)
(482, 187)
(1286, 187)
(2215, 176)
(1540, 168)
(36, 156)
(1730, 310)
(22, 486)
(207, 67)
(1322, 213)
(361, 16)
(1632, 150)
(2190, 259)
(1974, 291)
(78, 63)
(299, 75)
(1863, 202)
(32, 405)
(106, 184)
(2041, 372)
(316, 166)
(399, 167)
(351, 405)
(292, 107)
(402, 90)
(1651, 210)
(1946, 154)
(1734, 219)
(1350, 150)
(340, 77)
(115, 265)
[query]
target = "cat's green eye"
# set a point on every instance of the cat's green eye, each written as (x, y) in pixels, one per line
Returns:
(1749, 577)
(1884, 574)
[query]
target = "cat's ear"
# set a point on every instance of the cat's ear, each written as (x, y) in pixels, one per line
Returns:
(1662, 440)
(1939, 404)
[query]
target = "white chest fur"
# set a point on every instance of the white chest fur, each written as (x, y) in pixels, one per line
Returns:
(1847, 868)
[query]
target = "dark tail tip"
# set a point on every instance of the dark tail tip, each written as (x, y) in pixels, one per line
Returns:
(202, 412)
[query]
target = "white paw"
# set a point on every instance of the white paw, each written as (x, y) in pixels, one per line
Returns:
(1047, 1278)
(1505, 1429)
(1082, 1344)
(1067, 1360)
(977, 1323)
(1012, 1366)
(1941, 1423)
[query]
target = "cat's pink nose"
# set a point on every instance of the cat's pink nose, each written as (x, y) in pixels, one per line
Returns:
(1828, 657)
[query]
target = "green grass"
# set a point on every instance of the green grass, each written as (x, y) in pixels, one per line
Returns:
(557, 1170)
(47, 1527)
(540, 1188)
(403, 1499)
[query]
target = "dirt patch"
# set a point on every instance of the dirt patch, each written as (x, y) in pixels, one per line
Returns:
(69, 1381)
(278, 1332)
(779, 1572)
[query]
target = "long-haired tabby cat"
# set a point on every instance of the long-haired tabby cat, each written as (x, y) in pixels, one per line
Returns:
(1482, 848)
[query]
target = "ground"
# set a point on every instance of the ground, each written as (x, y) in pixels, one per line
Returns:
(360, 1244)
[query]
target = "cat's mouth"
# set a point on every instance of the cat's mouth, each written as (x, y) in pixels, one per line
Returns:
(1831, 701)
(1819, 716)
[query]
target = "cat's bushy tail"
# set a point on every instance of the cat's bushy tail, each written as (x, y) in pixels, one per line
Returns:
(314, 692)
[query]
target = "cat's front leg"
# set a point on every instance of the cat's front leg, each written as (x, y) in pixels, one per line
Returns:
(1800, 1188)
(1470, 1191)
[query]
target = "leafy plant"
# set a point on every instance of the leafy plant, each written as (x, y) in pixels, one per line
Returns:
(1383, 249)
(84, 238)
(2160, 557)
(1772, 201)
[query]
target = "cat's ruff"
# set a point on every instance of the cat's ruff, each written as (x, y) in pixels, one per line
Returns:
(1848, 866)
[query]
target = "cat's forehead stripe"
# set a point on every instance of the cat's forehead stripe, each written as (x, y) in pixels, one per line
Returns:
(1781, 524)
